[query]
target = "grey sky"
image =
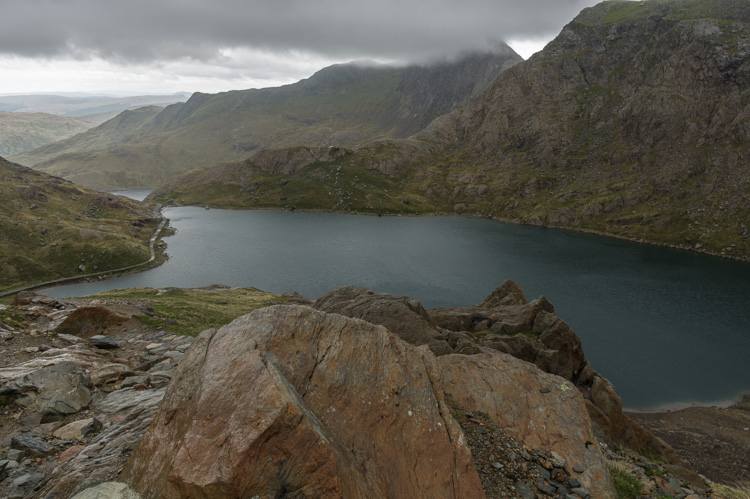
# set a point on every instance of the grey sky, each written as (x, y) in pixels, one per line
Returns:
(236, 41)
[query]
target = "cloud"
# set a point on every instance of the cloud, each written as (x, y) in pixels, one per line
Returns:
(144, 31)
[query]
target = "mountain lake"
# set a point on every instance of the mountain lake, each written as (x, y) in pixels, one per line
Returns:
(667, 327)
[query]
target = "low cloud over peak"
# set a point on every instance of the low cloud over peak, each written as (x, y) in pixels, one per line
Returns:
(144, 31)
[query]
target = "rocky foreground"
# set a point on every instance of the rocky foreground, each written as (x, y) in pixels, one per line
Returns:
(356, 394)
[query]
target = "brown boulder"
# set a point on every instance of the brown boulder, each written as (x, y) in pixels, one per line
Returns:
(290, 400)
(86, 322)
(541, 410)
(509, 293)
(401, 315)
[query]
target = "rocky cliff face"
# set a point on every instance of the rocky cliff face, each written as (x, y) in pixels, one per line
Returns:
(633, 121)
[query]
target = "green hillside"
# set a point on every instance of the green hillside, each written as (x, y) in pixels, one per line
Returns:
(51, 228)
(25, 131)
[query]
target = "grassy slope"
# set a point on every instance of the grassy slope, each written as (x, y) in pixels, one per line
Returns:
(25, 131)
(191, 311)
(49, 227)
(227, 127)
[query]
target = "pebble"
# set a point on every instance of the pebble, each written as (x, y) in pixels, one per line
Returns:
(578, 468)
(524, 491)
(581, 492)
(544, 390)
(152, 346)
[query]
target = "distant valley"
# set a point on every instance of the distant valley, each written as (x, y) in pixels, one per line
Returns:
(343, 105)
(31, 121)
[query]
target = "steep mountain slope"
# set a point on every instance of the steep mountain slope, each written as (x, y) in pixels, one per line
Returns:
(50, 228)
(25, 131)
(633, 122)
(340, 105)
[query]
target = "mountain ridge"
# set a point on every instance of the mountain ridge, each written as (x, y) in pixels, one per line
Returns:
(633, 122)
(341, 105)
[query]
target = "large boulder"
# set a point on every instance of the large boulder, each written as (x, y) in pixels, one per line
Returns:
(55, 390)
(541, 410)
(86, 322)
(290, 400)
(401, 315)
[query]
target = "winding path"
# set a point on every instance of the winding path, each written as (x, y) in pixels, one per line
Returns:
(151, 244)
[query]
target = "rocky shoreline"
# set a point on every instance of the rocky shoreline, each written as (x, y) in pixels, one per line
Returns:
(91, 394)
(714, 440)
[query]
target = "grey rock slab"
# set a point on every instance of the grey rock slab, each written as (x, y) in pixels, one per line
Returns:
(63, 388)
(581, 492)
(25, 484)
(127, 398)
(174, 355)
(103, 342)
(15, 455)
(135, 380)
(108, 490)
(524, 491)
(70, 338)
(31, 444)
(78, 430)
(556, 460)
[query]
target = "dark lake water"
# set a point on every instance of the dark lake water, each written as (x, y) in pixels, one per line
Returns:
(665, 326)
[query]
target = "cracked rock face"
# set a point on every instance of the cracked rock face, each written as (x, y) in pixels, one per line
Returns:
(289, 399)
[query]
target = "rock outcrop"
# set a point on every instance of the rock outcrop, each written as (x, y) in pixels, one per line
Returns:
(314, 404)
(401, 315)
(290, 400)
(322, 405)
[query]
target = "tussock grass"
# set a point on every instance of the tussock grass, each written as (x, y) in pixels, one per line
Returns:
(739, 491)
(627, 483)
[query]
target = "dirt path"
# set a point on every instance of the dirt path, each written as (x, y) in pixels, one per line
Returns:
(714, 441)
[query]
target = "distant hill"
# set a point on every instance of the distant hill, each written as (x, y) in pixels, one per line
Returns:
(633, 122)
(342, 105)
(51, 228)
(96, 106)
(25, 131)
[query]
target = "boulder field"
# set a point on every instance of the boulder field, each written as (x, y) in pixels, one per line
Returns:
(356, 394)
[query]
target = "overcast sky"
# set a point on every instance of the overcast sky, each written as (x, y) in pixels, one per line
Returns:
(165, 46)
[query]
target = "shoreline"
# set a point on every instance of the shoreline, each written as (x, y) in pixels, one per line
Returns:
(577, 230)
(680, 406)
(105, 274)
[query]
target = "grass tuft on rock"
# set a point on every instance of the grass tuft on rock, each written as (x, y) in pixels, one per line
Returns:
(627, 484)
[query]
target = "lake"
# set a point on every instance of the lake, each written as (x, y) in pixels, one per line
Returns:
(665, 326)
